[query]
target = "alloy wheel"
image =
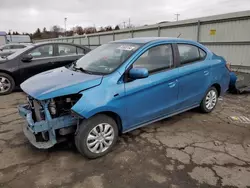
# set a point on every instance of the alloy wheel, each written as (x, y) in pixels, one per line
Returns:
(5, 84)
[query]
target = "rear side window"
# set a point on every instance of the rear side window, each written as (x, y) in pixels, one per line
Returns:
(202, 54)
(66, 49)
(189, 53)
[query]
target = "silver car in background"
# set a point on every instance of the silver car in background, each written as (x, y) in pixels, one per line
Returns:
(8, 49)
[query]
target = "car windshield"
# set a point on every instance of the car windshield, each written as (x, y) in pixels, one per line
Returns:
(19, 51)
(106, 58)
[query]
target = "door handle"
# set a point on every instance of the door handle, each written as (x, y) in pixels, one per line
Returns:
(172, 84)
(206, 73)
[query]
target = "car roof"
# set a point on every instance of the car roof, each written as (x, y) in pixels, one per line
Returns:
(53, 42)
(144, 40)
(25, 44)
(58, 42)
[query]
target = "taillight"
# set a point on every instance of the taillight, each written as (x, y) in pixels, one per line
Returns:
(228, 66)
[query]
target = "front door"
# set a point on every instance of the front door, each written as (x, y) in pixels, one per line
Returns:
(43, 56)
(66, 54)
(194, 77)
(155, 96)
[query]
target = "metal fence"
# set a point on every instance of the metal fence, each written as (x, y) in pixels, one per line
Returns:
(227, 35)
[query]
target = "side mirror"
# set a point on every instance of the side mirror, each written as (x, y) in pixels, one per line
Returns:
(27, 58)
(138, 73)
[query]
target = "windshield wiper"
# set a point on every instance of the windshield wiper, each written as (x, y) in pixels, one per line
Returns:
(82, 70)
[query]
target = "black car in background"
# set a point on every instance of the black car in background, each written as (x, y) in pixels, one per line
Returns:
(35, 59)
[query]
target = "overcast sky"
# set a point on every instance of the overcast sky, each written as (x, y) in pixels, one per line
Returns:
(28, 15)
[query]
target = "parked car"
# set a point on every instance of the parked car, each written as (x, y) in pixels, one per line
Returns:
(239, 84)
(119, 87)
(8, 49)
(35, 59)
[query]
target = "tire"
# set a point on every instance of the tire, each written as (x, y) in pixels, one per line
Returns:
(7, 80)
(212, 93)
(87, 135)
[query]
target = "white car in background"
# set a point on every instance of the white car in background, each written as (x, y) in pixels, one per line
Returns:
(8, 49)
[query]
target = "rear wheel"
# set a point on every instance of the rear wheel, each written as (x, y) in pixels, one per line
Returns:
(209, 101)
(7, 84)
(96, 136)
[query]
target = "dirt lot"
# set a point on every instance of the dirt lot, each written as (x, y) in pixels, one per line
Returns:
(188, 150)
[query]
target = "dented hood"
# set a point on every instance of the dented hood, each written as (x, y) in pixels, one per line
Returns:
(59, 82)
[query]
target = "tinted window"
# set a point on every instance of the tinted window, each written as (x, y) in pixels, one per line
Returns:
(42, 51)
(156, 58)
(18, 46)
(190, 53)
(66, 50)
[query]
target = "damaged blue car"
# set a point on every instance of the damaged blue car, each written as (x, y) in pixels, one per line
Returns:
(119, 87)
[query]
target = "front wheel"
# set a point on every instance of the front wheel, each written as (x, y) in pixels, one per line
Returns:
(96, 136)
(209, 101)
(7, 84)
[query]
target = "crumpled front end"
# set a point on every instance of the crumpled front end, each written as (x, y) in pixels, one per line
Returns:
(49, 121)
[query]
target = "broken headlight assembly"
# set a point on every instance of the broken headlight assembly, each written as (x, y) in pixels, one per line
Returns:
(61, 106)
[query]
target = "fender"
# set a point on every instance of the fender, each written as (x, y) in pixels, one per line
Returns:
(102, 98)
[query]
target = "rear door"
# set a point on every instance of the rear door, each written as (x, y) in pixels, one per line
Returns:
(66, 54)
(194, 73)
(43, 56)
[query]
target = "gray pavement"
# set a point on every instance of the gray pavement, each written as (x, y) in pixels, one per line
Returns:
(186, 151)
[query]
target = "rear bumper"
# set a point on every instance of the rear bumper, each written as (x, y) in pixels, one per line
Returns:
(33, 128)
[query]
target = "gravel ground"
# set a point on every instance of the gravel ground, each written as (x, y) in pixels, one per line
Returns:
(188, 150)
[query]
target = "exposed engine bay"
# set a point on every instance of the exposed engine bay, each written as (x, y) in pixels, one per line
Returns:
(57, 107)
(61, 106)
(50, 120)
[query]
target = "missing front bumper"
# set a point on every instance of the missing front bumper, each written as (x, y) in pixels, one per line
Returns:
(32, 129)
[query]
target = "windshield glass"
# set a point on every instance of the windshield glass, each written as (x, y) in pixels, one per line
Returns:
(106, 58)
(19, 51)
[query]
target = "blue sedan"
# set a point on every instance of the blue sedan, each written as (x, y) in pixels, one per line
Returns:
(119, 87)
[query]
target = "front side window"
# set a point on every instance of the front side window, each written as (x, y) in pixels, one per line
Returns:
(42, 51)
(106, 58)
(66, 50)
(189, 53)
(156, 59)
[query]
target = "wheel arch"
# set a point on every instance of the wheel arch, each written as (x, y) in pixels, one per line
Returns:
(114, 116)
(217, 87)
(9, 73)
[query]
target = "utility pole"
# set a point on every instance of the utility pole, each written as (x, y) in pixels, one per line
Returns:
(10, 35)
(65, 26)
(177, 16)
(129, 23)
